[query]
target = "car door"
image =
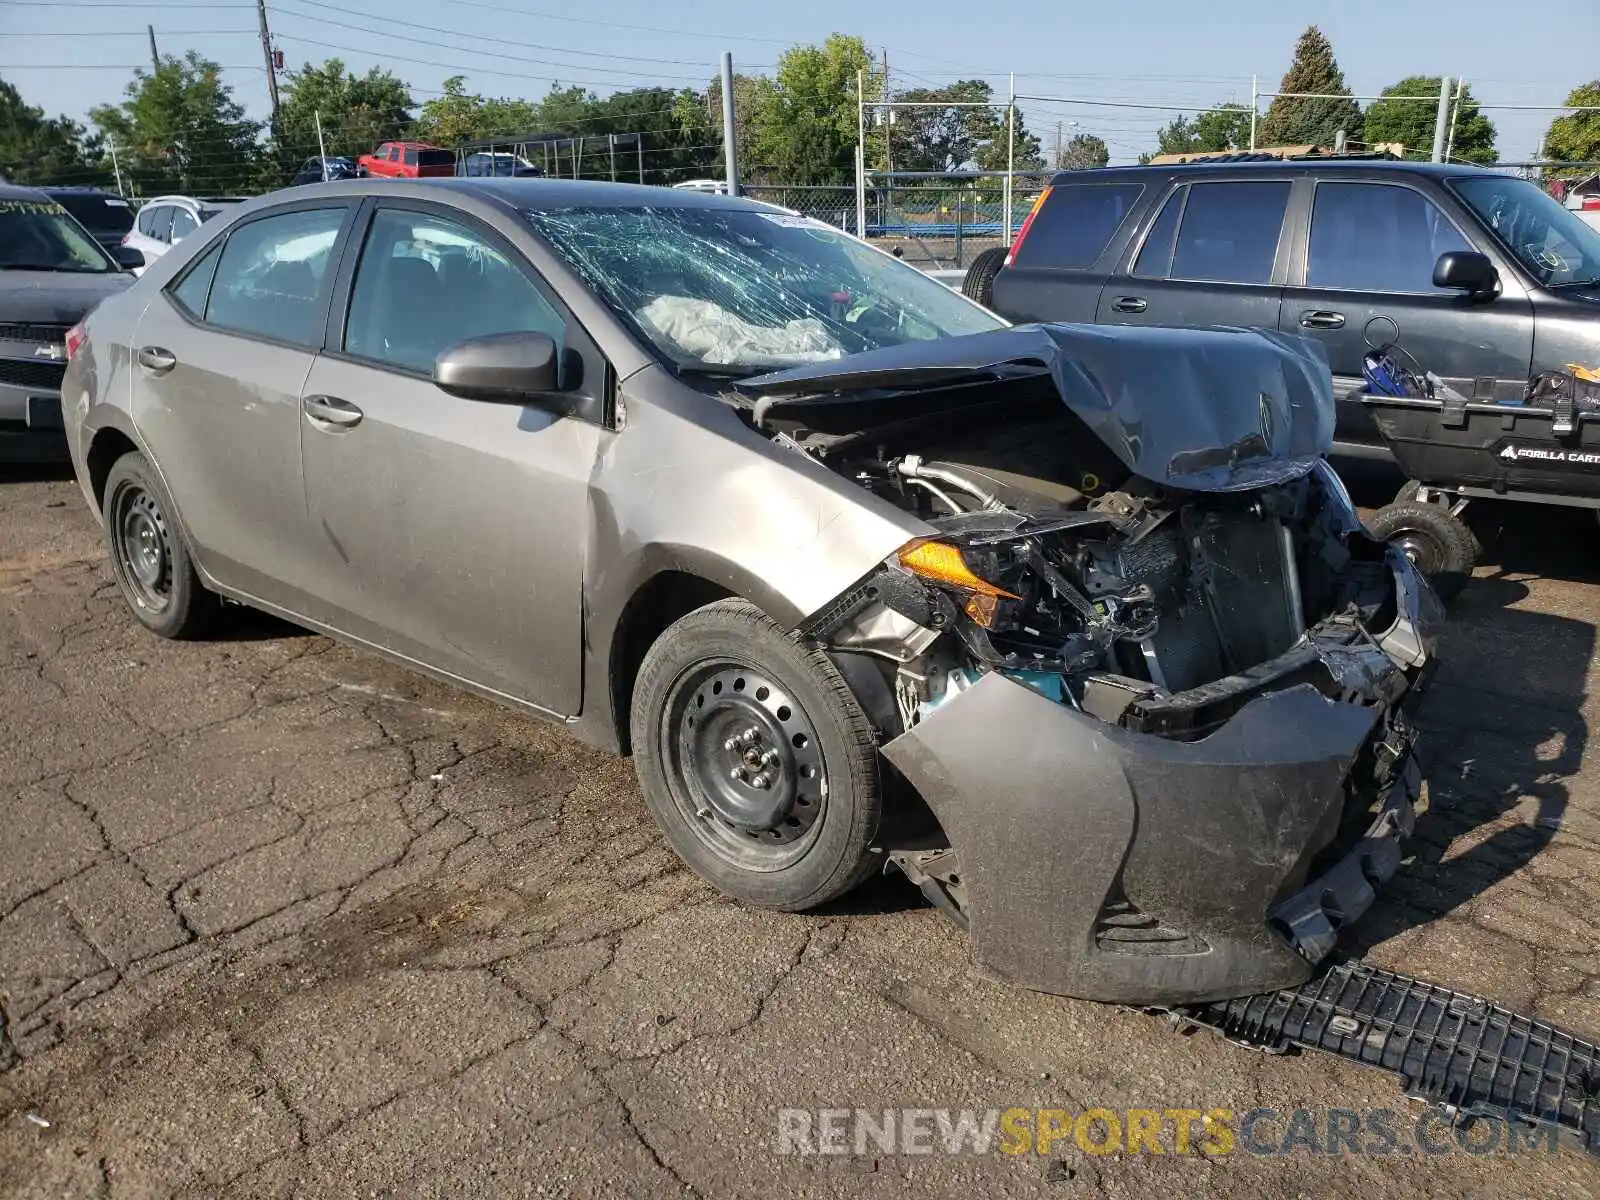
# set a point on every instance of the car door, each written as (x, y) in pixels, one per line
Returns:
(1055, 270)
(222, 352)
(449, 531)
(1365, 279)
(1216, 254)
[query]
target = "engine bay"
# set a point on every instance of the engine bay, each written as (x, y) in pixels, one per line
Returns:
(1056, 565)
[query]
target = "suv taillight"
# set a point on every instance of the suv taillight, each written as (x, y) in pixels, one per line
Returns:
(75, 338)
(1027, 223)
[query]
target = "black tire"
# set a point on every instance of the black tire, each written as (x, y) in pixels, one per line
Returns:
(979, 283)
(805, 835)
(1408, 495)
(1443, 548)
(148, 556)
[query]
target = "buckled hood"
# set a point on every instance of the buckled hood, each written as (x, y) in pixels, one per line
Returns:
(1203, 409)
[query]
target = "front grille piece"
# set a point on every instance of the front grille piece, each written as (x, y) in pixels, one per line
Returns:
(1449, 1048)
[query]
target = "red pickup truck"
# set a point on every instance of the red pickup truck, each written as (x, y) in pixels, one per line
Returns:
(408, 160)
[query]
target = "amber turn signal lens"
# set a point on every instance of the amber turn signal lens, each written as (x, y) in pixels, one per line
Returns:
(942, 563)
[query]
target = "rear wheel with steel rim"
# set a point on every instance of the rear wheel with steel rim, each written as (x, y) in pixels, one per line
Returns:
(756, 759)
(148, 557)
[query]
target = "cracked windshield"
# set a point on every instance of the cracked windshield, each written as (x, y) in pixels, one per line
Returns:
(734, 291)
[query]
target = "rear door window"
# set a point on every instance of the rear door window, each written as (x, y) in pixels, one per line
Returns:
(411, 158)
(1376, 237)
(1229, 232)
(271, 278)
(1075, 224)
(183, 223)
(1155, 257)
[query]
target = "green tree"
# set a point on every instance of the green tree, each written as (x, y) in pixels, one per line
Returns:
(1314, 71)
(357, 111)
(1411, 122)
(803, 119)
(35, 148)
(1226, 127)
(934, 139)
(680, 141)
(455, 116)
(180, 129)
(1082, 151)
(1576, 137)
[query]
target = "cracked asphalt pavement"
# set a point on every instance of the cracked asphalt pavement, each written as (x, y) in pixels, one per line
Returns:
(279, 919)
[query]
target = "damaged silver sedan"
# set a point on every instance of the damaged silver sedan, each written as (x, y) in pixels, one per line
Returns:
(1073, 626)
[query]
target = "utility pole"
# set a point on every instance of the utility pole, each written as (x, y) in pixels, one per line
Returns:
(1441, 120)
(888, 122)
(322, 150)
(1056, 161)
(1455, 111)
(861, 155)
(155, 59)
(1011, 155)
(1255, 103)
(266, 54)
(730, 134)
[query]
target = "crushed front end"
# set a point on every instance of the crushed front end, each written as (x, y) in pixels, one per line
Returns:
(1160, 717)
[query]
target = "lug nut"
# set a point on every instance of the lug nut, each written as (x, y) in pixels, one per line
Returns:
(731, 744)
(737, 773)
(770, 757)
(759, 781)
(749, 735)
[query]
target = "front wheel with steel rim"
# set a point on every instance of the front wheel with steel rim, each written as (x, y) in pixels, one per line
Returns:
(1440, 546)
(148, 556)
(756, 759)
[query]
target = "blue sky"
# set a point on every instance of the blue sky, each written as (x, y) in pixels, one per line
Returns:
(1163, 52)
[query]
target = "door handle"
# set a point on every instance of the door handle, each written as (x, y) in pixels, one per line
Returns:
(331, 410)
(1129, 304)
(156, 360)
(1314, 318)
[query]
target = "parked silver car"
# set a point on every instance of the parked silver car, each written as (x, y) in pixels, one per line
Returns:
(1073, 625)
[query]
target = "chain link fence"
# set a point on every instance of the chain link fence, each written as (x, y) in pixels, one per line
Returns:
(935, 221)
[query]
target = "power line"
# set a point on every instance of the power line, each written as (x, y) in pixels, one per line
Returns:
(492, 38)
(105, 67)
(545, 62)
(139, 33)
(470, 69)
(549, 16)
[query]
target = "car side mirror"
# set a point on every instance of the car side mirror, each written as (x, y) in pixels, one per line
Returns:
(129, 258)
(1466, 271)
(503, 368)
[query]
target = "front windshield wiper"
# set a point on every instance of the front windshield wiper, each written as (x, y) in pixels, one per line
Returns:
(723, 370)
(1578, 282)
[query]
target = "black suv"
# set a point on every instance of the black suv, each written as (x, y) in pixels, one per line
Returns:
(1481, 277)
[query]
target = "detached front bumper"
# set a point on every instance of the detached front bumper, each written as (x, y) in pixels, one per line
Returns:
(1134, 868)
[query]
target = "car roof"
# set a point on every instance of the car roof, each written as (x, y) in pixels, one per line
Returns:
(1277, 166)
(77, 189)
(543, 193)
(15, 191)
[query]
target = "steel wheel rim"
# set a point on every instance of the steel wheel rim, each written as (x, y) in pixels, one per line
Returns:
(1422, 548)
(143, 547)
(745, 765)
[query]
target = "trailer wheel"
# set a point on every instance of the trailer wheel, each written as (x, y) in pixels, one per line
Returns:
(1408, 495)
(1440, 545)
(979, 283)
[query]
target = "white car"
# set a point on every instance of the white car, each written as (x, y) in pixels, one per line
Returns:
(168, 219)
(717, 187)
